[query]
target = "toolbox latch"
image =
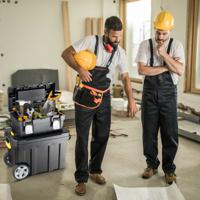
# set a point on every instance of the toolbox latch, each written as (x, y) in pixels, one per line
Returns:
(56, 123)
(28, 127)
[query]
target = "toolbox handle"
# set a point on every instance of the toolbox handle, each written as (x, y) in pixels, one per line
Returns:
(56, 117)
(28, 122)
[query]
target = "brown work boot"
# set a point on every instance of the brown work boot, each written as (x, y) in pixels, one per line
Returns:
(80, 189)
(149, 172)
(170, 178)
(98, 178)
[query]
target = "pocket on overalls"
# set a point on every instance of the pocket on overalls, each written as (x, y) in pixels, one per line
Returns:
(99, 79)
(87, 98)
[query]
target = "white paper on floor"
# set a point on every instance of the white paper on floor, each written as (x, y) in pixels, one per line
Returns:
(5, 193)
(148, 193)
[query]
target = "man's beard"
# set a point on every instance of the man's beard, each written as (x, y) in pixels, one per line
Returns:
(113, 44)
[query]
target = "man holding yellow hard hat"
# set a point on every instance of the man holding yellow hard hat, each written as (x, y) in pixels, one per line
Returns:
(161, 61)
(92, 96)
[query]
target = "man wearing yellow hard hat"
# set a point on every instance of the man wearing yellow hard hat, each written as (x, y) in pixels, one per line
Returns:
(95, 58)
(161, 61)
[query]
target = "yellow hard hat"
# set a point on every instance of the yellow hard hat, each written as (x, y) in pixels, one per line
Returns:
(86, 59)
(164, 21)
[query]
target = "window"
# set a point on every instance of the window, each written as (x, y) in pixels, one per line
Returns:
(193, 48)
(137, 20)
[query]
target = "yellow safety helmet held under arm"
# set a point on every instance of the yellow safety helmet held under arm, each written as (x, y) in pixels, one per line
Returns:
(164, 21)
(86, 59)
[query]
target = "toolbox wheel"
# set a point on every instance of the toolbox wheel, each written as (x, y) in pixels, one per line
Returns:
(20, 172)
(6, 159)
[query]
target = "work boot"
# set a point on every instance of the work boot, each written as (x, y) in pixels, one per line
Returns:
(98, 178)
(80, 189)
(149, 172)
(170, 178)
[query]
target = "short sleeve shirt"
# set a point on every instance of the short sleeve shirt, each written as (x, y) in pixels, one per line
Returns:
(119, 59)
(176, 51)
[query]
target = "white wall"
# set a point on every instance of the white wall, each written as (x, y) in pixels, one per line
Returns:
(80, 9)
(31, 33)
(31, 37)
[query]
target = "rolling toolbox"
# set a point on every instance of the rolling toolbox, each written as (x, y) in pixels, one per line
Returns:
(23, 120)
(34, 155)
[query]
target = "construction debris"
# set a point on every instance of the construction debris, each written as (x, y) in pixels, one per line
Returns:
(189, 109)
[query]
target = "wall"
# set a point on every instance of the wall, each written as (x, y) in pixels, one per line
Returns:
(32, 33)
(78, 11)
(31, 37)
(88, 8)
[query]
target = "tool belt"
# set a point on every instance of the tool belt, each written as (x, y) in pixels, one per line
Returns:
(88, 97)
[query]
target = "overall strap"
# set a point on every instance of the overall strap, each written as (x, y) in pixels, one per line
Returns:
(169, 45)
(96, 44)
(151, 52)
(168, 48)
(111, 57)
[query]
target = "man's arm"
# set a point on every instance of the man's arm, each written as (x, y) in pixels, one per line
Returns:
(68, 56)
(132, 108)
(172, 63)
(150, 71)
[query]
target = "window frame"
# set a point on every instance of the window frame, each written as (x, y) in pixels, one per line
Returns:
(122, 14)
(192, 33)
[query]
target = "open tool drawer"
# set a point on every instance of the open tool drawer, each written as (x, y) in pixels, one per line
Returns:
(33, 110)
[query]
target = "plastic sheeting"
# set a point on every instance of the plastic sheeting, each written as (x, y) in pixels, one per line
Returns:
(148, 193)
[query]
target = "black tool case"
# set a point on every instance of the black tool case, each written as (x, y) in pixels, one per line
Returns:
(37, 95)
(36, 154)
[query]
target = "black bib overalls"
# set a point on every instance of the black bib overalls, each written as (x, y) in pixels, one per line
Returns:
(159, 110)
(99, 117)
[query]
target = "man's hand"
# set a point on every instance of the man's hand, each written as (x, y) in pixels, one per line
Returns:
(161, 49)
(173, 64)
(132, 108)
(85, 75)
(68, 56)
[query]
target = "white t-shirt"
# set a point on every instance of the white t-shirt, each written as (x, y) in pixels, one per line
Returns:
(119, 59)
(176, 51)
